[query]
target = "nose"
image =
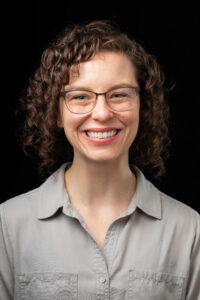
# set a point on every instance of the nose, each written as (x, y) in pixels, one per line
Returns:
(102, 110)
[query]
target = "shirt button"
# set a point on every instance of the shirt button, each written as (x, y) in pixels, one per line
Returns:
(102, 279)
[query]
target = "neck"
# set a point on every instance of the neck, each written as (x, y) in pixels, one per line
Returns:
(95, 185)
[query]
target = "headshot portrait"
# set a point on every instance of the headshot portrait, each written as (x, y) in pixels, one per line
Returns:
(94, 119)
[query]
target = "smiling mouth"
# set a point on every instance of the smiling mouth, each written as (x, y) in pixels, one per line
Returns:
(102, 135)
(100, 139)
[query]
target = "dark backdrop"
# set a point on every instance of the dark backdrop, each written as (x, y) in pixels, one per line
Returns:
(168, 32)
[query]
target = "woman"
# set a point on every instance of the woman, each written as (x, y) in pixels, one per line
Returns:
(97, 228)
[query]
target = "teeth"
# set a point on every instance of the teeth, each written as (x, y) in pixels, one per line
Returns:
(101, 135)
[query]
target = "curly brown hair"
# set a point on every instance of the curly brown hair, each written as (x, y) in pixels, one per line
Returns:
(39, 135)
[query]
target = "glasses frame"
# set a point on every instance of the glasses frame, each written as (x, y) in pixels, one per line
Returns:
(63, 93)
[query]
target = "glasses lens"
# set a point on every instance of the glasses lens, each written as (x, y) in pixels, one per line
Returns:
(80, 101)
(122, 99)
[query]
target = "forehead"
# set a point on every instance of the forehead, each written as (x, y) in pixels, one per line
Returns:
(103, 67)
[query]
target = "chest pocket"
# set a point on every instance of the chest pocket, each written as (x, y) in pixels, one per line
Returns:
(47, 286)
(149, 285)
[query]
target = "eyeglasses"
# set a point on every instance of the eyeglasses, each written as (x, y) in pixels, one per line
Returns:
(83, 101)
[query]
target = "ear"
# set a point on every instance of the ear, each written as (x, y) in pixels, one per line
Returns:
(59, 121)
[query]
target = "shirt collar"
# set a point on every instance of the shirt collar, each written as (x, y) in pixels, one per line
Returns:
(147, 197)
(53, 195)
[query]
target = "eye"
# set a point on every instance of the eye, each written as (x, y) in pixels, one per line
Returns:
(80, 97)
(120, 95)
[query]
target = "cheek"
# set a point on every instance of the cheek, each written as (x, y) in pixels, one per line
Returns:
(69, 121)
(72, 124)
(131, 122)
(130, 118)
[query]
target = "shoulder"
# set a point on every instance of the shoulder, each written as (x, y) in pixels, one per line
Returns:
(175, 206)
(171, 211)
(27, 206)
(179, 223)
(179, 214)
(21, 206)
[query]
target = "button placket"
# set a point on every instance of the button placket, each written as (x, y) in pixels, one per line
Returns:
(103, 287)
(110, 244)
(102, 279)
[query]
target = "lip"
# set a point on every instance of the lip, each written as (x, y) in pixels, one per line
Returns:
(101, 141)
(102, 129)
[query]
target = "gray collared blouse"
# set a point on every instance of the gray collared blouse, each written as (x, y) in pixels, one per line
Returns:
(151, 251)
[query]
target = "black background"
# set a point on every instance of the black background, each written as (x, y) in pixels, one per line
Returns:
(169, 32)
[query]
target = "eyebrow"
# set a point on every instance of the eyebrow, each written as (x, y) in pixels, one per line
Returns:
(69, 88)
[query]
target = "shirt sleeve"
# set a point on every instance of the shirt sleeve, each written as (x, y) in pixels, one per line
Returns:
(6, 274)
(193, 286)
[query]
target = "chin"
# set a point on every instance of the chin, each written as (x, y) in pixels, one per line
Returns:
(102, 158)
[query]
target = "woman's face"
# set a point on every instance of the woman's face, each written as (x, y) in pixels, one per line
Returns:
(100, 74)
